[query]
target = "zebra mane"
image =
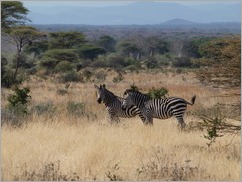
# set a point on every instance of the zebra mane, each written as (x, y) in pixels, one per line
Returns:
(109, 92)
(135, 91)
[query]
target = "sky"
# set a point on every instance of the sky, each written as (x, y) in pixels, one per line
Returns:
(101, 3)
(99, 11)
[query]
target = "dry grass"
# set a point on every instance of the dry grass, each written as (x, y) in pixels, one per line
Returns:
(62, 147)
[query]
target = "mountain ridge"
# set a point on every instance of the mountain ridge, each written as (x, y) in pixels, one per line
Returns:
(134, 13)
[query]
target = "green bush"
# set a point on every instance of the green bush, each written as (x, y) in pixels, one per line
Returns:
(158, 93)
(19, 99)
(16, 110)
(63, 66)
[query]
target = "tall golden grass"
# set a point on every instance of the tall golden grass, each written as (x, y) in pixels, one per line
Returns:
(64, 147)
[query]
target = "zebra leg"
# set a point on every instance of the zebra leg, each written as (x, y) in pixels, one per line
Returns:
(142, 118)
(181, 122)
(149, 120)
(114, 119)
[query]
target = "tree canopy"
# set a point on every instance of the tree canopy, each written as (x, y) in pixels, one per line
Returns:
(13, 13)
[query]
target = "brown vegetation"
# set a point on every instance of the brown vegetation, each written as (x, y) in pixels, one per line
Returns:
(70, 138)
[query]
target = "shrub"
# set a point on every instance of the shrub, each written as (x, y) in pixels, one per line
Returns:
(118, 78)
(158, 93)
(19, 100)
(63, 66)
(182, 62)
(134, 87)
(16, 109)
(45, 108)
(62, 55)
(61, 92)
(70, 76)
(75, 109)
(101, 76)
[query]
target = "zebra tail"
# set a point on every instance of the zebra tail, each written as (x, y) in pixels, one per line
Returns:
(193, 100)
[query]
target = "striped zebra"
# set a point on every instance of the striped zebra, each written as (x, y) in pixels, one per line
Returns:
(157, 108)
(113, 105)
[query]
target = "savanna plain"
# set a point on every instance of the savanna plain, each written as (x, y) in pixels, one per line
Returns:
(68, 136)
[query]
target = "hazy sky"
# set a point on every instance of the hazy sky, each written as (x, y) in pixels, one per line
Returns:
(99, 3)
(62, 12)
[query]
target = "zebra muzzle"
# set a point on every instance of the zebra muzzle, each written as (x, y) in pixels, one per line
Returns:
(123, 107)
(99, 100)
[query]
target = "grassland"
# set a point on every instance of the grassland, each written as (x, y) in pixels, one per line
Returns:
(60, 144)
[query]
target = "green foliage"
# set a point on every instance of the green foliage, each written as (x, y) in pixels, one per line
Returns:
(17, 107)
(21, 96)
(48, 63)
(134, 87)
(213, 128)
(66, 40)
(107, 42)
(129, 49)
(63, 66)
(7, 76)
(12, 13)
(90, 52)
(69, 55)
(158, 93)
(36, 48)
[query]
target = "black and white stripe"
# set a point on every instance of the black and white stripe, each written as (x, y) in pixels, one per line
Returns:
(113, 105)
(157, 108)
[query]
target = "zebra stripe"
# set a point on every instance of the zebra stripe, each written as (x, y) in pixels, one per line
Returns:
(157, 108)
(113, 105)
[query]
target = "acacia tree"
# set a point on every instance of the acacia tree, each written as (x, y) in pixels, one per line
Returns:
(22, 36)
(223, 62)
(12, 13)
(66, 40)
(106, 42)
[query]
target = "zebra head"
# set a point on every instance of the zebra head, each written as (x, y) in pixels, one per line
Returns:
(100, 93)
(128, 100)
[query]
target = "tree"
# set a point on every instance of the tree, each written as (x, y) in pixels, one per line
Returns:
(155, 44)
(22, 36)
(12, 13)
(90, 52)
(36, 49)
(69, 55)
(66, 40)
(223, 62)
(106, 42)
(130, 49)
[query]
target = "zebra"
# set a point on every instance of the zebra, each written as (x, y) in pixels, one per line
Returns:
(113, 105)
(157, 108)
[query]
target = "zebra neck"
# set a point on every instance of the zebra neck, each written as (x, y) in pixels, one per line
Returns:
(109, 99)
(140, 102)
